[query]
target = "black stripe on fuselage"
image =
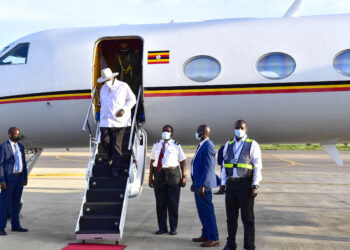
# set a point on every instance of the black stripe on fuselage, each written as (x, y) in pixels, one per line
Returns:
(84, 91)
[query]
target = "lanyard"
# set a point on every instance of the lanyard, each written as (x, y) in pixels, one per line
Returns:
(163, 147)
(236, 151)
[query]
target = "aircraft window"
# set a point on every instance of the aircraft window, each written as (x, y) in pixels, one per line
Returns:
(276, 65)
(202, 68)
(3, 49)
(18, 55)
(341, 63)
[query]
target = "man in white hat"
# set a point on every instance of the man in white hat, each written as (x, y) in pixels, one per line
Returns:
(117, 100)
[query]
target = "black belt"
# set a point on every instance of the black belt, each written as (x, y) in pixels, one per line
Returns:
(170, 168)
(17, 173)
(239, 179)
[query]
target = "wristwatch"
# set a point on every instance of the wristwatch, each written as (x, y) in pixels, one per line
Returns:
(255, 186)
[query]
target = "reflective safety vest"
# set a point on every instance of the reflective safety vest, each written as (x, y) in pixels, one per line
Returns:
(244, 164)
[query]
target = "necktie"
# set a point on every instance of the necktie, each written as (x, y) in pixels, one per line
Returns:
(160, 158)
(17, 166)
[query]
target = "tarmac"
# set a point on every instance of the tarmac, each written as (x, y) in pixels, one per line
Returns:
(303, 203)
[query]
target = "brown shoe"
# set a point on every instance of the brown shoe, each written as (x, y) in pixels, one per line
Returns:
(200, 239)
(213, 243)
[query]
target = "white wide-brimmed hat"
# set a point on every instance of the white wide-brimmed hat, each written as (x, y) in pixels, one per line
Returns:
(106, 74)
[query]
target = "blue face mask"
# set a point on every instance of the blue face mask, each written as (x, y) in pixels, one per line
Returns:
(197, 137)
(166, 136)
(240, 133)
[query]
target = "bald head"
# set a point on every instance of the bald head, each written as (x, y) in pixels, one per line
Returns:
(203, 131)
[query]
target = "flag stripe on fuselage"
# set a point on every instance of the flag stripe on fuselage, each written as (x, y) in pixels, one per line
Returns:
(47, 96)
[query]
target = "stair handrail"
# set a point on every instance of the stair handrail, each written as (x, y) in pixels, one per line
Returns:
(86, 121)
(133, 124)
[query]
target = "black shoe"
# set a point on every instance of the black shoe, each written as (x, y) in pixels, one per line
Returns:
(229, 248)
(173, 233)
(19, 229)
(161, 231)
(220, 192)
(3, 232)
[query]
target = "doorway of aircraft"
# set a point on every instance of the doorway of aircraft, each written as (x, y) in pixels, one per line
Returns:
(122, 55)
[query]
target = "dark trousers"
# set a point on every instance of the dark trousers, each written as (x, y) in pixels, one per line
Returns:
(206, 215)
(10, 200)
(112, 141)
(167, 192)
(238, 196)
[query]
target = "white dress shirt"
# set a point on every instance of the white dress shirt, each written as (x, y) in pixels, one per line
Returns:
(113, 99)
(255, 157)
(14, 146)
(173, 153)
(194, 157)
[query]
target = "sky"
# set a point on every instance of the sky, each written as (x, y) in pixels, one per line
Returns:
(22, 17)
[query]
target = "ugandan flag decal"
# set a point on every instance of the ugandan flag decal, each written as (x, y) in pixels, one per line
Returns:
(158, 57)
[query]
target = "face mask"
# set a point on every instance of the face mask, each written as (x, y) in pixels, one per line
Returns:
(166, 136)
(109, 83)
(240, 133)
(198, 137)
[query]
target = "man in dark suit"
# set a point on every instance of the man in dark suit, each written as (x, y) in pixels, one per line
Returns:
(204, 179)
(13, 176)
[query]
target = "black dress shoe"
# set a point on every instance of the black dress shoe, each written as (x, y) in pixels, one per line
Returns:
(173, 233)
(161, 231)
(228, 248)
(3, 232)
(19, 229)
(220, 192)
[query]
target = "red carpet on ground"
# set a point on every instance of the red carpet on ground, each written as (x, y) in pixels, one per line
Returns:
(74, 246)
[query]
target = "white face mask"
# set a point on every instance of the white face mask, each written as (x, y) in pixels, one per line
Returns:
(109, 83)
(197, 137)
(166, 136)
(240, 133)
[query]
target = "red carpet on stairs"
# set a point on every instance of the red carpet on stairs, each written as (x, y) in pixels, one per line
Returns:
(75, 246)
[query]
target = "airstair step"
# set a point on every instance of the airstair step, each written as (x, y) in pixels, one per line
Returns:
(102, 208)
(94, 222)
(96, 232)
(102, 158)
(104, 170)
(108, 182)
(105, 195)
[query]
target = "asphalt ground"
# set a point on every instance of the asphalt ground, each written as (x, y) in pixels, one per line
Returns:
(303, 203)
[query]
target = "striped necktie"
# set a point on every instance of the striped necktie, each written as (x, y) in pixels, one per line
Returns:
(17, 163)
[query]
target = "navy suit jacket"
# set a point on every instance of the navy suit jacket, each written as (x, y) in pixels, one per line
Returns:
(204, 167)
(7, 161)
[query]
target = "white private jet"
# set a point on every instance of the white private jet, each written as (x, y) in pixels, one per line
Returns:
(289, 78)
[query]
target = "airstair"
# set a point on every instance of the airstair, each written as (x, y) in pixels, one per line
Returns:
(103, 210)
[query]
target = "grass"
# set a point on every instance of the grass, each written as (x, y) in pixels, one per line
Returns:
(341, 147)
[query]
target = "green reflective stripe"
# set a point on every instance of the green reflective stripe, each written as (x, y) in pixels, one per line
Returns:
(242, 165)
(231, 142)
(239, 165)
(249, 140)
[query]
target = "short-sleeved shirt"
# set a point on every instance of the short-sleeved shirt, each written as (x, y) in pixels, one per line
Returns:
(173, 153)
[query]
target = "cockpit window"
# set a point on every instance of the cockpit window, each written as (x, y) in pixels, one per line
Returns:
(17, 55)
(3, 49)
